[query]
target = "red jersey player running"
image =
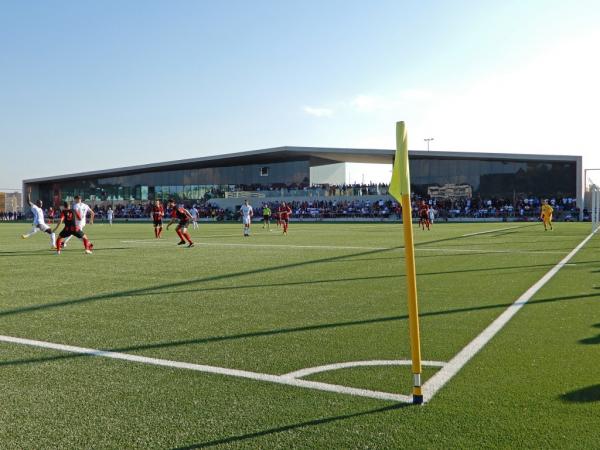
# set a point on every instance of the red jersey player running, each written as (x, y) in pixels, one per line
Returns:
(179, 212)
(284, 216)
(70, 218)
(424, 215)
(157, 216)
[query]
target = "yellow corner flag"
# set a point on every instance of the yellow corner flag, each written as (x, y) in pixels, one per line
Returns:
(400, 183)
(400, 189)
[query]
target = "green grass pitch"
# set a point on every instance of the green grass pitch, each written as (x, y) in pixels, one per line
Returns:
(273, 304)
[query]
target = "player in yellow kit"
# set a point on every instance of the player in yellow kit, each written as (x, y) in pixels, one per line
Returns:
(546, 215)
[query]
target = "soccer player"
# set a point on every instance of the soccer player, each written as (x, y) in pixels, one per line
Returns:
(158, 213)
(71, 218)
(424, 215)
(184, 216)
(39, 223)
(194, 214)
(284, 216)
(109, 215)
(83, 210)
(51, 215)
(277, 217)
(246, 212)
(266, 216)
(431, 216)
(546, 215)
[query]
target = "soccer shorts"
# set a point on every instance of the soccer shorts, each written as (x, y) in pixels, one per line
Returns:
(42, 227)
(182, 225)
(246, 220)
(158, 223)
(66, 233)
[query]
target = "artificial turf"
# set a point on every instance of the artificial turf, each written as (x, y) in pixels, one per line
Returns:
(274, 304)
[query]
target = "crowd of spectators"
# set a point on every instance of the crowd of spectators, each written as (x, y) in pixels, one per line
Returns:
(8, 216)
(316, 203)
(521, 208)
(143, 210)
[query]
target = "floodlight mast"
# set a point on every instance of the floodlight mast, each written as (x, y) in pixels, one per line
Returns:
(428, 140)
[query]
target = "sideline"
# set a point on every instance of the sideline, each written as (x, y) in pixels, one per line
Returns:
(446, 373)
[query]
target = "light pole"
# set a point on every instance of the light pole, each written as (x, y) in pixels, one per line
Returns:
(428, 140)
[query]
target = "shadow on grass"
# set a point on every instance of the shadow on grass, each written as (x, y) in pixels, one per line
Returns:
(295, 426)
(277, 331)
(161, 289)
(592, 340)
(152, 289)
(52, 253)
(584, 395)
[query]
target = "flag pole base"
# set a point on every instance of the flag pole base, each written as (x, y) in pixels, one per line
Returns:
(417, 399)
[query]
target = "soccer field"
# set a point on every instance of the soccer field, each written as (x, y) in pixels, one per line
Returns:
(203, 346)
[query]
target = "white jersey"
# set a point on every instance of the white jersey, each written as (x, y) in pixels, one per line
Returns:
(246, 211)
(109, 214)
(82, 209)
(194, 213)
(38, 215)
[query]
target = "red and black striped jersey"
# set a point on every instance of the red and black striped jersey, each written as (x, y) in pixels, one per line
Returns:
(157, 212)
(69, 218)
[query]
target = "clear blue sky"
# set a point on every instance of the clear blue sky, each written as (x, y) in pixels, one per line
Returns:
(88, 85)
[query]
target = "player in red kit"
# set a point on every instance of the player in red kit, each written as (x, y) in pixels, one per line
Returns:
(184, 216)
(51, 215)
(157, 216)
(424, 215)
(69, 218)
(284, 216)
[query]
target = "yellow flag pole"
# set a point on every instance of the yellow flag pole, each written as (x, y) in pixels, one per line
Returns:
(400, 189)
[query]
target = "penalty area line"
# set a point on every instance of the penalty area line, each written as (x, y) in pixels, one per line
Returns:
(278, 379)
(446, 373)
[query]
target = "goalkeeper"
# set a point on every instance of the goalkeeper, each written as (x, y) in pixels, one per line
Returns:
(546, 215)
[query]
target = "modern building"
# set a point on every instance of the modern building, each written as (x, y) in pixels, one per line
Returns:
(11, 202)
(485, 175)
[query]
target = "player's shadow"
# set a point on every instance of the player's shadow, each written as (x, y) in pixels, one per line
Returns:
(584, 395)
(296, 426)
(277, 331)
(151, 289)
(592, 340)
(52, 253)
(187, 283)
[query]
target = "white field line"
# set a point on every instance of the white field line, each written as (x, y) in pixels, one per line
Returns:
(343, 247)
(235, 244)
(345, 365)
(287, 380)
(474, 250)
(492, 231)
(437, 381)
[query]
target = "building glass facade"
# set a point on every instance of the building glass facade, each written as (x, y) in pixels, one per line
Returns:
(182, 184)
(451, 175)
(496, 178)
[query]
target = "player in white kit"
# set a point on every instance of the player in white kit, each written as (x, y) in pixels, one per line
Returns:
(83, 209)
(39, 224)
(194, 214)
(247, 213)
(109, 215)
